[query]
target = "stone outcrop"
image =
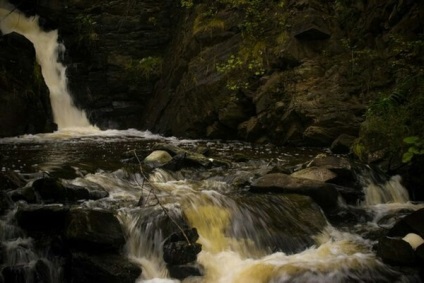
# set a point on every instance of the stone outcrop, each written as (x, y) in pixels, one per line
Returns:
(311, 89)
(322, 193)
(25, 104)
(404, 244)
(94, 230)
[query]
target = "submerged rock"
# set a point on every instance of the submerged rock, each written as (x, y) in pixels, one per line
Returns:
(187, 158)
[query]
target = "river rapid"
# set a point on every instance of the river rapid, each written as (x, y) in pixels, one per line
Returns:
(245, 237)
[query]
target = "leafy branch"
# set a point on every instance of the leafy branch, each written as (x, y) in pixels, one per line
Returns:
(416, 147)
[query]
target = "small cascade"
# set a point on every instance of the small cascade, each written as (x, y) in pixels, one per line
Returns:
(21, 262)
(392, 191)
(379, 189)
(48, 50)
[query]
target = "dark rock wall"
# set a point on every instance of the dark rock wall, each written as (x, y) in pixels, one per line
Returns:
(24, 100)
(316, 83)
(106, 43)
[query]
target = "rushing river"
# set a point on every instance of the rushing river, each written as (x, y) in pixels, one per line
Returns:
(244, 237)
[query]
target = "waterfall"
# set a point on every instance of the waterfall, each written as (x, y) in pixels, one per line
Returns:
(48, 50)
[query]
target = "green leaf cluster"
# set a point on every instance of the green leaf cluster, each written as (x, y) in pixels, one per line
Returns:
(416, 147)
(147, 68)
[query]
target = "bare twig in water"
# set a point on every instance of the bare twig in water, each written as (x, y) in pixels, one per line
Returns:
(151, 192)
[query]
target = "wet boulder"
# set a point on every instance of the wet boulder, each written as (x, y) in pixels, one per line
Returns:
(94, 230)
(341, 166)
(157, 158)
(395, 251)
(323, 174)
(53, 190)
(315, 173)
(181, 248)
(181, 272)
(5, 202)
(331, 162)
(412, 223)
(342, 144)
(24, 273)
(322, 193)
(42, 218)
(10, 180)
(420, 255)
(76, 193)
(190, 159)
(413, 240)
(26, 194)
(107, 268)
(15, 274)
(49, 190)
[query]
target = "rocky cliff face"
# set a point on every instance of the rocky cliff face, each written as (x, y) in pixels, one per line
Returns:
(24, 100)
(113, 55)
(286, 72)
(304, 74)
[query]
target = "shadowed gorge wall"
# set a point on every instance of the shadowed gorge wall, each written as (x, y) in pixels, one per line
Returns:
(24, 99)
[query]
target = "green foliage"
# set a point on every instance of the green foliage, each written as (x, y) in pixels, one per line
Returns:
(147, 67)
(399, 96)
(207, 23)
(262, 25)
(86, 30)
(186, 3)
(248, 63)
(257, 17)
(416, 147)
(395, 115)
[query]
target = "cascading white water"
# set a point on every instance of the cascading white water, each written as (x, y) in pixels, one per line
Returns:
(232, 233)
(390, 192)
(47, 49)
(22, 257)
